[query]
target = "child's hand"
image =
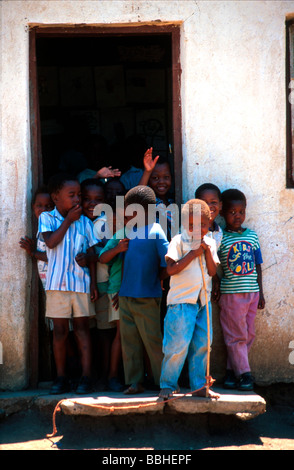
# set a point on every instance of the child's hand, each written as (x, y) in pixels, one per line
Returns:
(28, 244)
(204, 246)
(74, 213)
(215, 291)
(261, 302)
(108, 172)
(82, 260)
(93, 292)
(123, 245)
(149, 163)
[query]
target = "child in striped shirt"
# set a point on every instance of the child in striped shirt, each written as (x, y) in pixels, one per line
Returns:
(241, 289)
(70, 289)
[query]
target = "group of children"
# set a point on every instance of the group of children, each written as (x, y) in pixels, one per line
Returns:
(128, 278)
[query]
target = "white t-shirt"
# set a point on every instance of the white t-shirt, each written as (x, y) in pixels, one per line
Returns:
(187, 286)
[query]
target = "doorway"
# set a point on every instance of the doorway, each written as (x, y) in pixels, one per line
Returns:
(118, 87)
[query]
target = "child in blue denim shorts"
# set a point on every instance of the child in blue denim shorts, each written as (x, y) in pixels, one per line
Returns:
(185, 325)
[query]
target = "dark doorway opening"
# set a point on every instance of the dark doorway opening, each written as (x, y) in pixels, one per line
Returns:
(117, 85)
(112, 92)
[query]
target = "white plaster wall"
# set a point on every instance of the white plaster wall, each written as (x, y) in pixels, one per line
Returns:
(233, 119)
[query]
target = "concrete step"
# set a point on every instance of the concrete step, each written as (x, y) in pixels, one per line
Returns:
(245, 405)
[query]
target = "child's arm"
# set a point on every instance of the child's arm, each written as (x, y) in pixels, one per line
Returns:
(210, 263)
(85, 259)
(215, 292)
(175, 267)
(52, 239)
(108, 255)
(261, 303)
(149, 165)
(30, 246)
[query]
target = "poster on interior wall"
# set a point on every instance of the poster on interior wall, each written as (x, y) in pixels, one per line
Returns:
(77, 86)
(151, 124)
(145, 86)
(110, 86)
(48, 86)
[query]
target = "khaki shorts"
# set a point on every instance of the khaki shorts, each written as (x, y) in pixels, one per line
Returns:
(102, 313)
(66, 304)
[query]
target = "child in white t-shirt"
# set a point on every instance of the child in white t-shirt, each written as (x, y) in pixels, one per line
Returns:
(185, 326)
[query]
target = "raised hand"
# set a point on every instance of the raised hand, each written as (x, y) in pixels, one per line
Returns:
(149, 163)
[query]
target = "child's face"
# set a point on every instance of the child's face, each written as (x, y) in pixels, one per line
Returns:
(67, 197)
(160, 180)
(212, 200)
(92, 195)
(43, 203)
(205, 224)
(235, 215)
(113, 189)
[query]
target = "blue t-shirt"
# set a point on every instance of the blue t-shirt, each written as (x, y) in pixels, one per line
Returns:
(142, 261)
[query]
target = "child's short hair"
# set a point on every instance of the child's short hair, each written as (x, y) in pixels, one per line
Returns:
(40, 190)
(207, 187)
(115, 180)
(188, 207)
(232, 195)
(57, 182)
(163, 161)
(91, 182)
(142, 195)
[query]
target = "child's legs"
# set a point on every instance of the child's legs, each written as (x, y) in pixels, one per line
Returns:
(254, 299)
(81, 307)
(198, 349)
(233, 317)
(83, 338)
(60, 336)
(116, 354)
(131, 342)
(147, 319)
(179, 325)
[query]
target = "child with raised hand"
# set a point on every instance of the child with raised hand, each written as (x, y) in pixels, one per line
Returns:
(70, 289)
(42, 202)
(185, 326)
(241, 289)
(157, 175)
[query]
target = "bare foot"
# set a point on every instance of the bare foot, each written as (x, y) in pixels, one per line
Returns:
(134, 389)
(202, 393)
(165, 393)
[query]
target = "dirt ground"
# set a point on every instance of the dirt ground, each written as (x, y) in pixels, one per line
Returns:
(273, 430)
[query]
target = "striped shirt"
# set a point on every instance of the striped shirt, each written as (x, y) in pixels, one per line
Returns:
(64, 273)
(239, 254)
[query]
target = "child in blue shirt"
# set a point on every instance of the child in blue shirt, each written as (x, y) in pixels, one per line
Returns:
(140, 292)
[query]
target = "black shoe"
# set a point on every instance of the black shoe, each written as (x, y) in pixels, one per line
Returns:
(230, 382)
(246, 382)
(85, 386)
(61, 385)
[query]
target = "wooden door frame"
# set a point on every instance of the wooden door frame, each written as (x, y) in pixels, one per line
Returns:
(50, 31)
